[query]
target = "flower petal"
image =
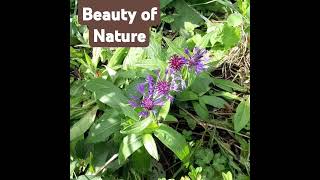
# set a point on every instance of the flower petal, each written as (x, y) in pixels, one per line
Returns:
(133, 103)
(140, 88)
(144, 114)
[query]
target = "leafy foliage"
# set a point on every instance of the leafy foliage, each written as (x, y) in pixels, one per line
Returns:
(203, 132)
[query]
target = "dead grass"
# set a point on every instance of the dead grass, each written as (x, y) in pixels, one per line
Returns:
(236, 65)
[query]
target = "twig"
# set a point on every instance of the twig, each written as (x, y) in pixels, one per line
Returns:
(165, 159)
(173, 165)
(107, 163)
(204, 125)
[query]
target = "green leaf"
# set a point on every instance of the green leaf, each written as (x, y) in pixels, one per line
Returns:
(187, 96)
(185, 13)
(88, 177)
(203, 156)
(164, 109)
(234, 20)
(214, 101)
(118, 57)
(227, 95)
(200, 110)
(205, 40)
(72, 167)
(227, 176)
(173, 47)
(242, 116)
(88, 59)
(138, 127)
(141, 161)
(150, 146)
(76, 88)
(96, 51)
(154, 50)
(129, 145)
(173, 140)
(106, 92)
(83, 124)
(190, 27)
(105, 126)
(164, 3)
(191, 122)
(135, 55)
(223, 84)
(167, 19)
(201, 84)
(129, 111)
(231, 36)
(150, 64)
(170, 118)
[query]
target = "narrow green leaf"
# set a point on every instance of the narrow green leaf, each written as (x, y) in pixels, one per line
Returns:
(242, 116)
(83, 124)
(164, 110)
(171, 45)
(214, 101)
(141, 160)
(118, 56)
(135, 55)
(96, 56)
(173, 140)
(72, 167)
(105, 126)
(170, 118)
(201, 84)
(227, 176)
(150, 146)
(227, 83)
(191, 122)
(138, 127)
(129, 145)
(164, 3)
(106, 92)
(227, 95)
(185, 13)
(88, 59)
(200, 110)
(187, 96)
(88, 177)
(205, 40)
(129, 111)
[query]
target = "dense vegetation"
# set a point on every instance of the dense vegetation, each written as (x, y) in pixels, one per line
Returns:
(177, 109)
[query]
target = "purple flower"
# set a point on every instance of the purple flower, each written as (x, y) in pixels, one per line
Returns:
(163, 87)
(176, 62)
(197, 61)
(171, 82)
(149, 101)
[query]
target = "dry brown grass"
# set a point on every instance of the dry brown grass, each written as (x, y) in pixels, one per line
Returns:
(236, 65)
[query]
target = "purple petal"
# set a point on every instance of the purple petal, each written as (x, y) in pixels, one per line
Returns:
(174, 86)
(158, 102)
(186, 50)
(133, 103)
(144, 114)
(170, 98)
(135, 98)
(140, 88)
(199, 67)
(151, 85)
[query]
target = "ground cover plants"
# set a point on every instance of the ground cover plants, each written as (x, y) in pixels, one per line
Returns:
(177, 109)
